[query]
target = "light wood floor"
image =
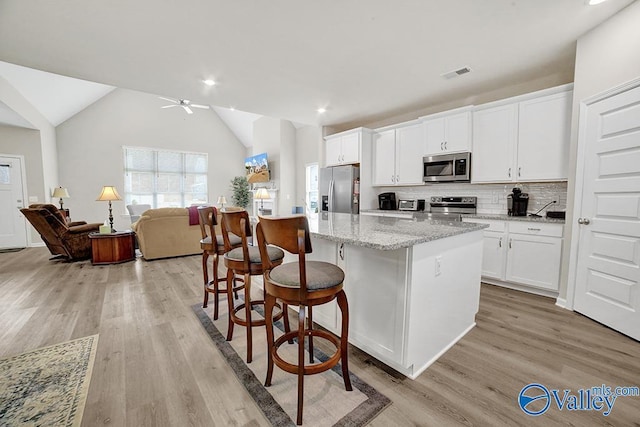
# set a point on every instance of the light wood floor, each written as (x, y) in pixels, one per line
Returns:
(157, 367)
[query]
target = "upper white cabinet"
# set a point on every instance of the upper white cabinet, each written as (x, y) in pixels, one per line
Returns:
(397, 155)
(448, 132)
(523, 139)
(544, 126)
(343, 148)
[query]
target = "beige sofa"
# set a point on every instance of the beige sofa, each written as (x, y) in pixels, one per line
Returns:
(165, 232)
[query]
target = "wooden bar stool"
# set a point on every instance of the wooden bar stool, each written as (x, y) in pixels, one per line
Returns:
(305, 284)
(245, 261)
(208, 223)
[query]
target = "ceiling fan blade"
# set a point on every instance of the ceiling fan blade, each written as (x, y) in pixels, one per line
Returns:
(187, 109)
(169, 106)
(168, 99)
(206, 107)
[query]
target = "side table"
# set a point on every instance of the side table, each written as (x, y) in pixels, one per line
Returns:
(112, 248)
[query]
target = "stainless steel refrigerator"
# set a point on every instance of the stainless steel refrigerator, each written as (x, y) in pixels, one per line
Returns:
(340, 189)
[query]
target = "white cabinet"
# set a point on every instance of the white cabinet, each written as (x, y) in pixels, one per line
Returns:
(494, 143)
(534, 255)
(522, 253)
(397, 155)
(544, 125)
(526, 139)
(448, 132)
(343, 148)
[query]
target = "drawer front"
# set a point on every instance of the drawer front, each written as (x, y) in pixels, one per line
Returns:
(536, 228)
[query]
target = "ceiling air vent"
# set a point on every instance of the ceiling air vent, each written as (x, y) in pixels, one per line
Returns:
(456, 73)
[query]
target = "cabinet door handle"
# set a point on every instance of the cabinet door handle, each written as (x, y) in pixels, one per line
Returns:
(441, 146)
(500, 243)
(509, 173)
(510, 240)
(445, 145)
(341, 252)
(397, 178)
(519, 171)
(393, 178)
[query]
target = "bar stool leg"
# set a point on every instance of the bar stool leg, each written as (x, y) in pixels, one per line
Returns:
(301, 334)
(205, 274)
(269, 303)
(247, 315)
(230, 282)
(216, 287)
(344, 333)
(310, 335)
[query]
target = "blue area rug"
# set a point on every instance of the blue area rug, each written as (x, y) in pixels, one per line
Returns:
(47, 386)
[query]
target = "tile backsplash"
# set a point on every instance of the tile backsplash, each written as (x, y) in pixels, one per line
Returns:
(492, 198)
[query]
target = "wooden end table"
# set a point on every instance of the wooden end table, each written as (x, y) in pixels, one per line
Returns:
(112, 248)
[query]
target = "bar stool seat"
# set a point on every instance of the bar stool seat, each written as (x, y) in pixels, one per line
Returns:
(246, 261)
(305, 284)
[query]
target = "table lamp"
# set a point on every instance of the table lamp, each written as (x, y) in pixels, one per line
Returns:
(61, 193)
(261, 195)
(221, 201)
(109, 193)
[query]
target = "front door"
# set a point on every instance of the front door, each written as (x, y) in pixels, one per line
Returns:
(13, 230)
(607, 285)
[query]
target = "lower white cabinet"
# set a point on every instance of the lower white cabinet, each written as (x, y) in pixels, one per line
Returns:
(522, 253)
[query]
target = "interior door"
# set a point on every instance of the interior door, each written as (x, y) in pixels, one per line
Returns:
(13, 230)
(608, 263)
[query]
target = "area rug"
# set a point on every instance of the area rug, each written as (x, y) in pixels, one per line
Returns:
(47, 386)
(326, 401)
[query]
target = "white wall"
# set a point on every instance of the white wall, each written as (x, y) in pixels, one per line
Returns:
(607, 56)
(308, 150)
(277, 138)
(90, 148)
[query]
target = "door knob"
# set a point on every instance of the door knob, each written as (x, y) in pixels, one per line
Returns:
(584, 221)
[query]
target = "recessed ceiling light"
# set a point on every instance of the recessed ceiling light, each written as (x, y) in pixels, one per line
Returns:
(321, 110)
(209, 82)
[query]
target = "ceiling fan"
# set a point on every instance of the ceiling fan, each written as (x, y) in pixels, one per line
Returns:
(184, 103)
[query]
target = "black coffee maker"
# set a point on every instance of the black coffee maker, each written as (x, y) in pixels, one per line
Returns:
(517, 203)
(387, 201)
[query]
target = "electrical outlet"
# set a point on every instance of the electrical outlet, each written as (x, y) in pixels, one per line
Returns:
(438, 265)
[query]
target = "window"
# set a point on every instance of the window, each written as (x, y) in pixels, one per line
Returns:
(311, 193)
(164, 178)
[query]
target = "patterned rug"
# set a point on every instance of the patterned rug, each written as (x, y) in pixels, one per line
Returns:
(47, 386)
(326, 401)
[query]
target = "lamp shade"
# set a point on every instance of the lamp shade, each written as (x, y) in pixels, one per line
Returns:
(262, 193)
(109, 192)
(60, 193)
(222, 200)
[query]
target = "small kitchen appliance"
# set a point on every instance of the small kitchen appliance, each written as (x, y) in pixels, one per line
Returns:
(452, 208)
(387, 201)
(411, 205)
(517, 203)
(447, 168)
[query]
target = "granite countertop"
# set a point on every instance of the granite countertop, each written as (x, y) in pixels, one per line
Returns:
(385, 233)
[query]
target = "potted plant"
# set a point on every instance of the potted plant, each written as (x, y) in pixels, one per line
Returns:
(240, 191)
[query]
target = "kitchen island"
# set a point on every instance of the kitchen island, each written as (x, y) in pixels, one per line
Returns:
(413, 286)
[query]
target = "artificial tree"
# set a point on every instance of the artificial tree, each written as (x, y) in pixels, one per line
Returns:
(240, 191)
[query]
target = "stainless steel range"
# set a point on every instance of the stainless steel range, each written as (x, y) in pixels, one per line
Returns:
(451, 208)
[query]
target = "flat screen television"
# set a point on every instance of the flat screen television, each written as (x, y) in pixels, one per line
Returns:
(257, 168)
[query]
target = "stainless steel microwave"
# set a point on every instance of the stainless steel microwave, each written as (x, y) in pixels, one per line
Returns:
(447, 167)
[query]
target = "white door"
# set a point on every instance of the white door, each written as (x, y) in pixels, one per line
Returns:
(458, 132)
(494, 254)
(13, 229)
(495, 136)
(384, 155)
(608, 272)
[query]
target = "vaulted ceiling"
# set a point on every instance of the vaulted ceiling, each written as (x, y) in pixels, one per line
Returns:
(359, 59)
